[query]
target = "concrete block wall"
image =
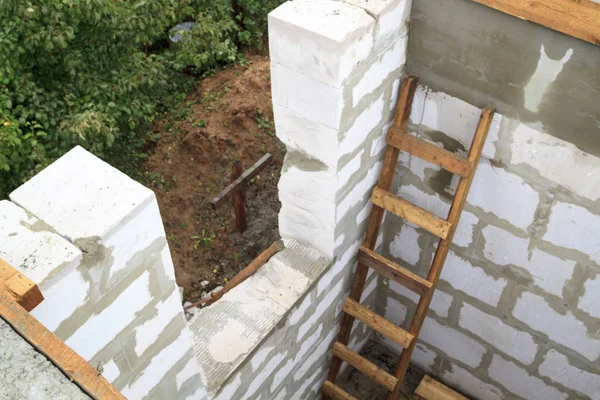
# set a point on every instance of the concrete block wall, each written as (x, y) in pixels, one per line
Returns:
(336, 69)
(93, 241)
(516, 314)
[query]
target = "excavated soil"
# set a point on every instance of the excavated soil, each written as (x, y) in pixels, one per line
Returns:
(228, 118)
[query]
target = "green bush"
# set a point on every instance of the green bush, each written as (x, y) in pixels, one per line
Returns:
(96, 72)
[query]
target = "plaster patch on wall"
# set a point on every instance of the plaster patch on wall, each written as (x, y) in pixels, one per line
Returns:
(546, 72)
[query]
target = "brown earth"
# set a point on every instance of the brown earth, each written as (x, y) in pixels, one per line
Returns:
(229, 118)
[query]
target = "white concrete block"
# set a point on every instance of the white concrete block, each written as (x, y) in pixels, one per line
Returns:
(556, 366)
(391, 16)
(29, 246)
(190, 369)
(517, 344)
(351, 167)
(430, 202)
(440, 303)
(589, 301)
(548, 272)
(81, 196)
(504, 194)
(62, 297)
(282, 373)
(136, 233)
(337, 36)
(308, 215)
(395, 311)
(458, 119)
(564, 329)
(393, 59)
(468, 384)
(326, 282)
(364, 213)
(472, 280)
(405, 245)
(261, 355)
(576, 228)
(298, 312)
(363, 125)
(559, 161)
(150, 331)
(452, 342)
(316, 354)
(417, 165)
(159, 366)
(357, 194)
(423, 357)
(397, 288)
(463, 236)
(378, 144)
(100, 329)
(518, 381)
(305, 96)
(306, 136)
(110, 371)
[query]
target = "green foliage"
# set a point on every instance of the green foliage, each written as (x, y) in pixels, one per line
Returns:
(96, 73)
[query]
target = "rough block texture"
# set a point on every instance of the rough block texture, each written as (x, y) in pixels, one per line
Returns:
(29, 375)
(93, 240)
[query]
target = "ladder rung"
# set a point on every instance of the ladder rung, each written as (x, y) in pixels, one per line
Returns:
(371, 370)
(414, 214)
(378, 323)
(331, 390)
(446, 159)
(394, 271)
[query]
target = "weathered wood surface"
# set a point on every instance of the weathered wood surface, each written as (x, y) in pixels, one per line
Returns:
(436, 155)
(365, 366)
(378, 323)
(23, 289)
(430, 389)
(393, 271)
(577, 18)
(410, 212)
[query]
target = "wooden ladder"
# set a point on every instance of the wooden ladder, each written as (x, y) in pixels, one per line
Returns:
(383, 200)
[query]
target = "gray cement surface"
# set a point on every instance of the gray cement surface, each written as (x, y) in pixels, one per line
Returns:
(363, 388)
(25, 374)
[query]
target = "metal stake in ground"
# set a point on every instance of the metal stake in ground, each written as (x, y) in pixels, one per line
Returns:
(239, 198)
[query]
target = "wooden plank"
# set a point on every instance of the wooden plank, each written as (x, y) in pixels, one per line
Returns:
(430, 389)
(70, 363)
(365, 366)
(378, 323)
(239, 199)
(335, 392)
(390, 161)
(22, 289)
(439, 259)
(436, 155)
(246, 176)
(410, 212)
(577, 18)
(393, 271)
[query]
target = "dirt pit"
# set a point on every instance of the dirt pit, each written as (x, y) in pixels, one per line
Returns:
(227, 118)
